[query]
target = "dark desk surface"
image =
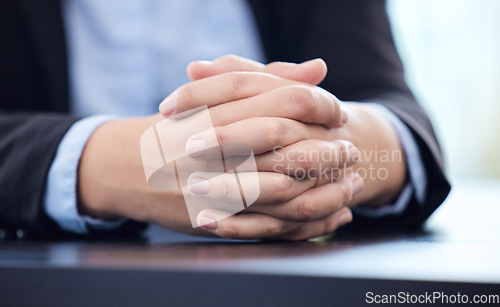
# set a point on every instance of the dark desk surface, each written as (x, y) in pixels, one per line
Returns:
(458, 252)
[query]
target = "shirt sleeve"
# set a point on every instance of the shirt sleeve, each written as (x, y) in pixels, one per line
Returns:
(60, 199)
(417, 174)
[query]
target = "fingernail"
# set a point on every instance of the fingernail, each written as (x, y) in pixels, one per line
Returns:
(311, 61)
(354, 154)
(357, 184)
(167, 106)
(343, 116)
(207, 222)
(196, 148)
(199, 188)
(345, 216)
(204, 62)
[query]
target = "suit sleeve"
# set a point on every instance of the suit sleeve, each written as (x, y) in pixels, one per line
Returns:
(354, 38)
(28, 143)
(33, 119)
(27, 146)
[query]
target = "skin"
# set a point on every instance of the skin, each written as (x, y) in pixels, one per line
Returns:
(243, 101)
(365, 128)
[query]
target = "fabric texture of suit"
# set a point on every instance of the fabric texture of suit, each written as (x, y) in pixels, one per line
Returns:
(352, 36)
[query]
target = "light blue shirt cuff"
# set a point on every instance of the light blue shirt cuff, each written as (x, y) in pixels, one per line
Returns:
(415, 166)
(60, 193)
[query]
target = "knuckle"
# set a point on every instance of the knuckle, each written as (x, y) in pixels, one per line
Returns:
(238, 81)
(304, 162)
(274, 227)
(336, 108)
(346, 191)
(330, 226)
(283, 188)
(229, 58)
(185, 97)
(303, 98)
(306, 209)
(334, 111)
(229, 230)
(277, 130)
(221, 187)
(272, 65)
(225, 188)
(343, 149)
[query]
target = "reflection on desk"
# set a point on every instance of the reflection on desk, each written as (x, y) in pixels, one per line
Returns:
(459, 249)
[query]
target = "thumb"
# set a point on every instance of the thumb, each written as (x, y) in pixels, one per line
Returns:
(311, 72)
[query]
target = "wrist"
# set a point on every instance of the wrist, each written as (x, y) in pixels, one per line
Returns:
(382, 164)
(110, 173)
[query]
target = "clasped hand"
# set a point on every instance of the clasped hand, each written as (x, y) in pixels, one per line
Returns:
(286, 119)
(302, 137)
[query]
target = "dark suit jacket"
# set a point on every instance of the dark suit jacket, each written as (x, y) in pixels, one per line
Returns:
(353, 36)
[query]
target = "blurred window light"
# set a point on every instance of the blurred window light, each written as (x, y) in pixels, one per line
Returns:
(451, 52)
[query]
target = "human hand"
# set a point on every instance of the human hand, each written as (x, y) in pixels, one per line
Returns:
(111, 181)
(227, 82)
(111, 185)
(239, 117)
(366, 128)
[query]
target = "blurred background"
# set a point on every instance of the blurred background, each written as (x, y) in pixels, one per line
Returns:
(451, 52)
